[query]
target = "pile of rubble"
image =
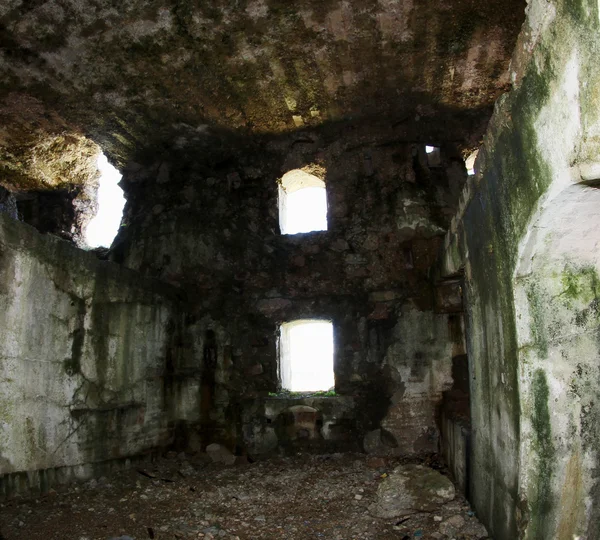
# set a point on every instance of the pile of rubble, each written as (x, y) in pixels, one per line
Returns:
(336, 496)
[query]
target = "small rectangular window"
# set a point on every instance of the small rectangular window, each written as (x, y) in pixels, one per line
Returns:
(302, 203)
(306, 355)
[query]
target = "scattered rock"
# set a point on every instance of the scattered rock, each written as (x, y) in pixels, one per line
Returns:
(186, 470)
(474, 529)
(375, 462)
(452, 526)
(245, 502)
(410, 489)
(219, 454)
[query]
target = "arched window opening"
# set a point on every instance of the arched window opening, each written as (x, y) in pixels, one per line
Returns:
(306, 355)
(104, 226)
(470, 163)
(302, 203)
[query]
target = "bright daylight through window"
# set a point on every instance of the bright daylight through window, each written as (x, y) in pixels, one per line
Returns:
(103, 228)
(302, 203)
(306, 355)
(470, 162)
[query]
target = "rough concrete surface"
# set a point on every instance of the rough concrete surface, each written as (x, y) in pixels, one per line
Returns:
(83, 345)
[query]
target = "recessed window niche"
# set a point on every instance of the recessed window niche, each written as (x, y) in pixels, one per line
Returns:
(434, 157)
(302, 203)
(306, 355)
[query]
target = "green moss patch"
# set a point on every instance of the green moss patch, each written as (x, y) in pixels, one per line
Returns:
(538, 307)
(541, 495)
(580, 283)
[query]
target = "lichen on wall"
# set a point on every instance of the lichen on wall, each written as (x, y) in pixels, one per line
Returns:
(558, 298)
(83, 353)
(542, 137)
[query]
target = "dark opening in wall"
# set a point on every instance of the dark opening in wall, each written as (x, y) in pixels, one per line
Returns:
(434, 157)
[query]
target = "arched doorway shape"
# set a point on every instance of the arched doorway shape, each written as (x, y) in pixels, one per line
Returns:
(557, 308)
(302, 203)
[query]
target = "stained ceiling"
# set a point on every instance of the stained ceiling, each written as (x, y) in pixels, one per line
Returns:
(137, 74)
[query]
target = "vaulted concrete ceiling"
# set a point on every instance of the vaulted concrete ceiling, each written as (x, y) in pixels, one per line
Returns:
(130, 74)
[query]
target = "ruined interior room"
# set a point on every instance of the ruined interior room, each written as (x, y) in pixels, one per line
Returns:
(350, 285)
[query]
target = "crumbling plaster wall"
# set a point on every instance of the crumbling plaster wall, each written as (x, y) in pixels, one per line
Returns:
(84, 354)
(531, 405)
(213, 230)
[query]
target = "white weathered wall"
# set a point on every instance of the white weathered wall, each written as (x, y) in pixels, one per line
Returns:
(558, 321)
(510, 238)
(83, 351)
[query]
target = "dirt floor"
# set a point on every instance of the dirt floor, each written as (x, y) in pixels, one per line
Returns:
(300, 497)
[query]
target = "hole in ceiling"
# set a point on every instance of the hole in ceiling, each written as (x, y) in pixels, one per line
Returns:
(104, 226)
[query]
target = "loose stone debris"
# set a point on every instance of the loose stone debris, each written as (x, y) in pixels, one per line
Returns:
(412, 488)
(333, 496)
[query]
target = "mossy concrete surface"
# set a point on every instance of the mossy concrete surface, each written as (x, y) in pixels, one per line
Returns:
(558, 322)
(83, 354)
(541, 135)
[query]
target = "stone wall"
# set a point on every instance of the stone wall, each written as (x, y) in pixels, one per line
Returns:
(528, 435)
(212, 228)
(84, 355)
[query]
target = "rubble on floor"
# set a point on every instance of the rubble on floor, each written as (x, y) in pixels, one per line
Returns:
(332, 496)
(412, 488)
